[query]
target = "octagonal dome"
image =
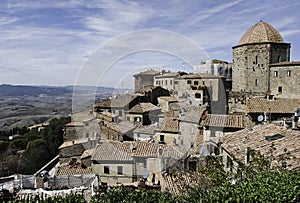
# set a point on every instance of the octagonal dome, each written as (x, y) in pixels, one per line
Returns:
(261, 32)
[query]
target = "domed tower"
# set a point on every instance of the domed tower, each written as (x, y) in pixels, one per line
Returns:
(260, 46)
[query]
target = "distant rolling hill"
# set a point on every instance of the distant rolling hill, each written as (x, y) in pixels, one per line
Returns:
(23, 105)
(24, 90)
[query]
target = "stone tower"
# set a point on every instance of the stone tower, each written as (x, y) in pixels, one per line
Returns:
(260, 46)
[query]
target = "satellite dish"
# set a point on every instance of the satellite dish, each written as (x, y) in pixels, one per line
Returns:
(260, 118)
(145, 173)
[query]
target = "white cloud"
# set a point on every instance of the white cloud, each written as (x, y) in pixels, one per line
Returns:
(40, 47)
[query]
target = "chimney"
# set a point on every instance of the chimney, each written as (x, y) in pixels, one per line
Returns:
(159, 153)
(295, 119)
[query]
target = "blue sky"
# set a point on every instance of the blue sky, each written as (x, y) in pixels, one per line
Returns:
(48, 42)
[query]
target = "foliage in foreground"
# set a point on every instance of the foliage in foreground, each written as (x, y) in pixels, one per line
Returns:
(123, 195)
(68, 199)
(272, 186)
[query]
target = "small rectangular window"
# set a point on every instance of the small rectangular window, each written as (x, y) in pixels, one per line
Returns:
(162, 138)
(106, 169)
(256, 82)
(197, 95)
(280, 90)
(275, 73)
(196, 82)
(120, 170)
(171, 82)
(289, 73)
(166, 82)
(189, 82)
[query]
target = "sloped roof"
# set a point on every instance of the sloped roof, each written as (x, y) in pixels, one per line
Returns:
(120, 101)
(261, 32)
(104, 104)
(74, 142)
(87, 153)
(122, 127)
(170, 125)
(143, 108)
(147, 129)
(175, 183)
(72, 170)
(265, 139)
(259, 105)
(227, 121)
(192, 114)
(121, 151)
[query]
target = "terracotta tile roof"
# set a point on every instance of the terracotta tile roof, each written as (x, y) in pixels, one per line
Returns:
(122, 127)
(115, 150)
(143, 108)
(283, 141)
(72, 170)
(170, 125)
(147, 129)
(260, 105)
(112, 150)
(104, 104)
(192, 114)
(227, 121)
(120, 101)
(261, 32)
(176, 183)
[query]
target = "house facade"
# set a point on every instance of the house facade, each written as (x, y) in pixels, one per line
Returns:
(127, 162)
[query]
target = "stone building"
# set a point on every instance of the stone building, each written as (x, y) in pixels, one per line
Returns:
(285, 79)
(144, 79)
(167, 80)
(262, 68)
(217, 67)
(126, 162)
(143, 114)
(260, 46)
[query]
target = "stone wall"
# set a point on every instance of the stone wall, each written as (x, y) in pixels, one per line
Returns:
(251, 65)
(285, 81)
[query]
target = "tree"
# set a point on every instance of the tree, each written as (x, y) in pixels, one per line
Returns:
(36, 155)
(53, 134)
